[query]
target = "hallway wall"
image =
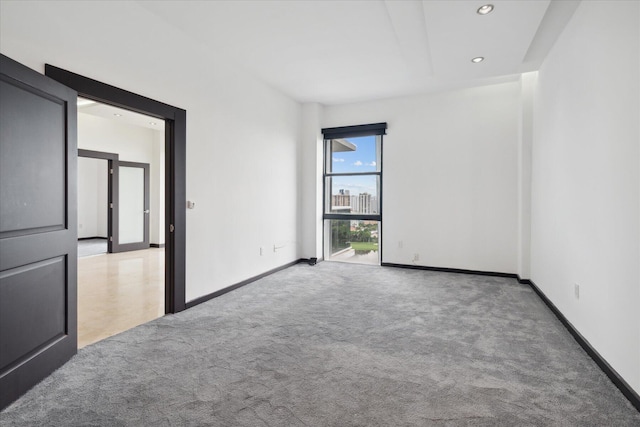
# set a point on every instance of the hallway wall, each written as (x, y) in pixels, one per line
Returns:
(132, 144)
(92, 198)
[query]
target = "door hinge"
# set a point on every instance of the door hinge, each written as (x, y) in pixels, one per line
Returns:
(111, 238)
(111, 171)
(111, 205)
(171, 228)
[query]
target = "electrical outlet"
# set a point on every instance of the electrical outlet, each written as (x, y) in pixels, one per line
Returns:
(261, 251)
(576, 290)
(400, 244)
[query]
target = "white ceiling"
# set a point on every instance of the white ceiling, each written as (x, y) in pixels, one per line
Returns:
(118, 115)
(336, 52)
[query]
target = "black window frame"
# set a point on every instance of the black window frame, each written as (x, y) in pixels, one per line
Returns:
(373, 129)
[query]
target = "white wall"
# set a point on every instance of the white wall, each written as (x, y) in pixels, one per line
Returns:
(242, 135)
(242, 173)
(586, 180)
(450, 176)
(102, 198)
(92, 197)
(157, 190)
(525, 147)
(311, 170)
(132, 144)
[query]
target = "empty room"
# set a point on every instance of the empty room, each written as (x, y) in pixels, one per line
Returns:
(377, 212)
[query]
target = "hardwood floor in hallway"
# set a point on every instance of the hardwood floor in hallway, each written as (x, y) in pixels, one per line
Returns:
(117, 292)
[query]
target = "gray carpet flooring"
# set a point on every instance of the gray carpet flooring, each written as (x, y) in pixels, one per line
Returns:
(338, 345)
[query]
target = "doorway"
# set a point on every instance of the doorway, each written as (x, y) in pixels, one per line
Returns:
(175, 169)
(134, 212)
(120, 220)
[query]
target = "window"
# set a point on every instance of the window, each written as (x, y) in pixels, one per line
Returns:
(352, 193)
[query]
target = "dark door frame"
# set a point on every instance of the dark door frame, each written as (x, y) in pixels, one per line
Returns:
(175, 169)
(124, 247)
(112, 192)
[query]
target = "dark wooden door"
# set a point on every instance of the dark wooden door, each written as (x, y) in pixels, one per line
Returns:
(131, 212)
(38, 230)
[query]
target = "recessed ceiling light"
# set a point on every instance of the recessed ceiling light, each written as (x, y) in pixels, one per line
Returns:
(117, 115)
(484, 10)
(477, 59)
(152, 123)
